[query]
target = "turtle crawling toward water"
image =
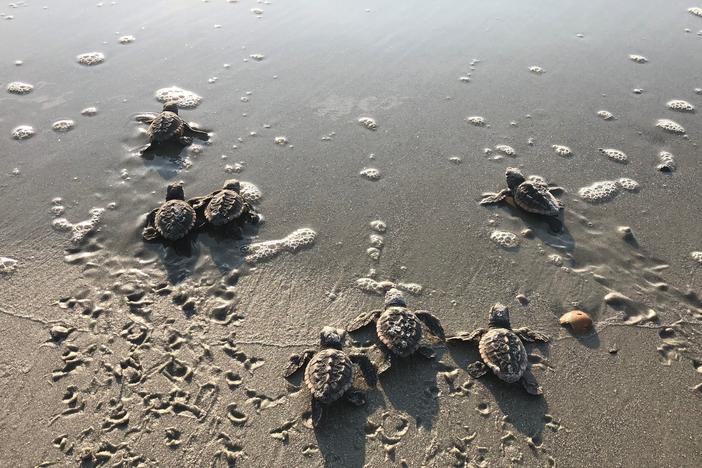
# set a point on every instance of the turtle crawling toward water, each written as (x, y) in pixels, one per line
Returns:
(225, 208)
(173, 220)
(401, 331)
(502, 350)
(331, 374)
(168, 127)
(531, 194)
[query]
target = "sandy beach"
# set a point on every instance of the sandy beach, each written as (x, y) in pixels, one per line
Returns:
(365, 133)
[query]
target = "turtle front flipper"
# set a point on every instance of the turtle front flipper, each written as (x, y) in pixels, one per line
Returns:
(145, 117)
(530, 384)
(199, 204)
(425, 350)
(475, 335)
(477, 369)
(317, 412)
(381, 358)
(298, 361)
(363, 319)
(526, 334)
(491, 198)
(143, 150)
(432, 322)
(150, 232)
(197, 133)
(367, 368)
(556, 190)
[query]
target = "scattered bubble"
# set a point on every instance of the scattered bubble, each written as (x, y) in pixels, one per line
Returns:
(293, 242)
(680, 105)
(563, 151)
(250, 192)
(476, 120)
(257, 57)
(614, 154)
(373, 253)
(18, 87)
(371, 173)
(667, 163)
(186, 99)
(506, 149)
(465, 79)
(638, 58)
(537, 70)
(233, 168)
(599, 192)
(126, 39)
(23, 132)
(628, 184)
(281, 140)
(257, 11)
(605, 115)
(64, 125)
(378, 226)
(376, 241)
(698, 90)
(455, 159)
(697, 11)
(555, 259)
(696, 256)
(505, 239)
(89, 111)
(7, 265)
(79, 230)
(91, 58)
(670, 126)
(368, 122)
(637, 90)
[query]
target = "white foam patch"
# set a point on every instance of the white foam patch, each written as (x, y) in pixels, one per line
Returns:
(670, 126)
(23, 132)
(371, 173)
(372, 286)
(293, 242)
(185, 99)
(91, 58)
(638, 58)
(64, 125)
(599, 192)
(257, 57)
(697, 11)
(537, 70)
(505, 239)
(680, 105)
(281, 140)
(605, 115)
(614, 154)
(562, 150)
(506, 149)
(18, 87)
(696, 256)
(628, 184)
(126, 39)
(7, 265)
(377, 241)
(667, 163)
(476, 120)
(373, 253)
(81, 229)
(368, 122)
(89, 111)
(250, 192)
(378, 226)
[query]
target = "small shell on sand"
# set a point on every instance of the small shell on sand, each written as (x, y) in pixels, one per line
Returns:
(579, 321)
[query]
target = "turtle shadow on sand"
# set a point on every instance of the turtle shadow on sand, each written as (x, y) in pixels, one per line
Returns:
(166, 159)
(225, 245)
(542, 229)
(177, 257)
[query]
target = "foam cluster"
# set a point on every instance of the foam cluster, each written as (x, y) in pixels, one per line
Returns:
(23, 132)
(667, 162)
(257, 57)
(7, 265)
(599, 192)
(185, 99)
(281, 140)
(293, 242)
(680, 105)
(80, 230)
(505, 239)
(368, 122)
(476, 120)
(638, 58)
(250, 192)
(91, 58)
(89, 111)
(373, 286)
(670, 126)
(614, 154)
(605, 115)
(537, 70)
(696, 256)
(561, 150)
(126, 39)
(64, 125)
(378, 226)
(371, 173)
(628, 184)
(18, 87)
(506, 149)
(697, 11)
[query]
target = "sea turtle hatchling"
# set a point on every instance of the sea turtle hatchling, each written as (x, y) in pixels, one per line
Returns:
(168, 126)
(502, 350)
(226, 207)
(173, 220)
(401, 331)
(532, 195)
(331, 374)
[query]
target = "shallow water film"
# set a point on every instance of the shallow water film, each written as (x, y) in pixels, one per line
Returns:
(494, 207)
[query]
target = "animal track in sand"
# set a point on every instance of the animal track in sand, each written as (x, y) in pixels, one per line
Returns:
(388, 432)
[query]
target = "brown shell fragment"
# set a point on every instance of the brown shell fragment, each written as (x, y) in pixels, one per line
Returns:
(580, 322)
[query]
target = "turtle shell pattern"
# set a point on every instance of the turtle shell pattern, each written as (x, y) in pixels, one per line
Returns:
(166, 125)
(329, 375)
(535, 198)
(400, 330)
(175, 219)
(224, 207)
(504, 354)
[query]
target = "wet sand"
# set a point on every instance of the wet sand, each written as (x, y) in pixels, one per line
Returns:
(174, 360)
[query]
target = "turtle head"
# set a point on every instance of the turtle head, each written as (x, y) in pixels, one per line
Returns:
(175, 192)
(233, 184)
(171, 106)
(331, 337)
(395, 298)
(499, 316)
(514, 177)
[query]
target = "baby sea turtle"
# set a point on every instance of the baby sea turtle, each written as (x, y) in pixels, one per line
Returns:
(168, 126)
(226, 207)
(532, 195)
(331, 374)
(173, 220)
(400, 330)
(502, 350)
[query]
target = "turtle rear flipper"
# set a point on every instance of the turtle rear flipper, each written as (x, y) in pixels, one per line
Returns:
(491, 198)
(477, 369)
(475, 335)
(197, 133)
(145, 117)
(367, 368)
(363, 319)
(432, 323)
(150, 232)
(530, 384)
(298, 361)
(317, 412)
(526, 334)
(356, 397)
